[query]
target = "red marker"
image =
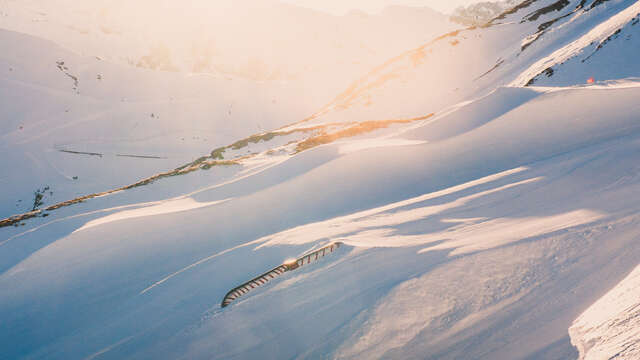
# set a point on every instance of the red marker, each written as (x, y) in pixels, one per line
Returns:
(590, 80)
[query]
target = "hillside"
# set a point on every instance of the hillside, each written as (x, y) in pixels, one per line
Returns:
(485, 206)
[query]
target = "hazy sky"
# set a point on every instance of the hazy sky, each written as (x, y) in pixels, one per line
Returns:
(373, 6)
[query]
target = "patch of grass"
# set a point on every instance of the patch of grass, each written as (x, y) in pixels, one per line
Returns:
(200, 163)
(255, 139)
(357, 129)
(37, 200)
(38, 196)
(216, 159)
(16, 219)
(208, 165)
(218, 153)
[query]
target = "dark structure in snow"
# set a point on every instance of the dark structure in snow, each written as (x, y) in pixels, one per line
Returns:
(279, 270)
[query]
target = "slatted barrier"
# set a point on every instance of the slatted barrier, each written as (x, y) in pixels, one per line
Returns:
(277, 271)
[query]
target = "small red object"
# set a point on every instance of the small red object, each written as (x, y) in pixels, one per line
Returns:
(590, 80)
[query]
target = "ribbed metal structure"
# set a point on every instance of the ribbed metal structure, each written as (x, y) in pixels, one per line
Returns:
(277, 271)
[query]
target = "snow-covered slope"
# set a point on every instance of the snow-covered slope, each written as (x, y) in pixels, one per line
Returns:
(100, 124)
(610, 328)
(475, 201)
(480, 217)
(591, 54)
(514, 49)
(79, 125)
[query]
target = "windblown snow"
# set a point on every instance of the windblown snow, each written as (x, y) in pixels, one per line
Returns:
(610, 328)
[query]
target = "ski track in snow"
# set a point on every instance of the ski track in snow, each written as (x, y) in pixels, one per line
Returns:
(191, 266)
(109, 348)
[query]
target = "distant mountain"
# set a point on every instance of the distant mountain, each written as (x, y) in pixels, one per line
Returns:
(479, 13)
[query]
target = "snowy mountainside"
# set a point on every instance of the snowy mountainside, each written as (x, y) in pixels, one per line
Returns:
(507, 51)
(481, 218)
(604, 52)
(96, 117)
(507, 197)
(482, 12)
(98, 125)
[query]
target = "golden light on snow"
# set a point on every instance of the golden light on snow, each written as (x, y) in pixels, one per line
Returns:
(259, 40)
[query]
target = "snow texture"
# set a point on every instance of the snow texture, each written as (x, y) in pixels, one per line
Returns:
(481, 218)
(610, 328)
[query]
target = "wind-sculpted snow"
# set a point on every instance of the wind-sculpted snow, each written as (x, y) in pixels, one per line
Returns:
(377, 217)
(610, 328)
(379, 228)
(166, 207)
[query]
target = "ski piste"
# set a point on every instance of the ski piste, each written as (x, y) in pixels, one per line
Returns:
(313, 256)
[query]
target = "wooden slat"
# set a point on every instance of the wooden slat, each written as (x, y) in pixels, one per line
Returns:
(243, 289)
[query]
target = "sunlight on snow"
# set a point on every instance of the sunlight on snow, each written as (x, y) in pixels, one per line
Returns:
(354, 222)
(166, 207)
(379, 227)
